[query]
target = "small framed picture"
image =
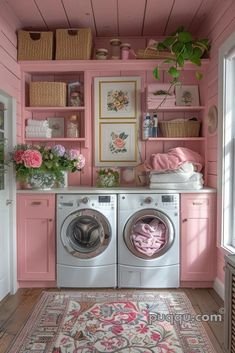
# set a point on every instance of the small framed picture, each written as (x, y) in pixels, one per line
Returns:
(57, 126)
(187, 95)
(75, 97)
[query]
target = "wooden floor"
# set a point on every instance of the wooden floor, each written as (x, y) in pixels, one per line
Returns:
(15, 309)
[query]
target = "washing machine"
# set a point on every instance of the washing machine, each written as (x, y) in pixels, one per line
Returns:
(86, 240)
(148, 240)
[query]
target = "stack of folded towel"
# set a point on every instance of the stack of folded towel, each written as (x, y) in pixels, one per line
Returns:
(37, 129)
(183, 178)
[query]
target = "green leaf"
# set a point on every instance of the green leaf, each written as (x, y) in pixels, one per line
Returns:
(177, 47)
(156, 73)
(185, 37)
(161, 47)
(188, 51)
(195, 60)
(169, 41)
(180, 60)
(198, 75)
(173, 72)
(198, 52)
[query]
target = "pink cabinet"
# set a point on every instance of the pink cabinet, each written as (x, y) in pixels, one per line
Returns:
(198, 240)
(36, 238)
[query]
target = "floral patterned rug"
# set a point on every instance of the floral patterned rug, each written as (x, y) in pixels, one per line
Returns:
(113, 321)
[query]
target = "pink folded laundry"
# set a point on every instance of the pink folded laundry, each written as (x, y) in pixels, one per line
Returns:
(174, 158)
(148, 238)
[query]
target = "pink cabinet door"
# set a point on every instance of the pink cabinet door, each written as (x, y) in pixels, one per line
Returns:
(36, 237)
(197, 237)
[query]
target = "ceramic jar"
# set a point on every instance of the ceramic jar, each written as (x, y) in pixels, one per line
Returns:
(72, 127)
(101, 54)
(125, 49)
(115, 48)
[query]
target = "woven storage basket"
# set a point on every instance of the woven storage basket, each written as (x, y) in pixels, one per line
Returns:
(47, 94)
(189, 128)
(73, 44)
(35, 45)
(150, 53)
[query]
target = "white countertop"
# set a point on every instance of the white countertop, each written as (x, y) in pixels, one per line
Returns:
(118, 190)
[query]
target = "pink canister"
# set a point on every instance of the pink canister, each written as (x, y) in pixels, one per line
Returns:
(125, 49)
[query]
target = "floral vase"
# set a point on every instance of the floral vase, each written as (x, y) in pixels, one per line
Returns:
(41, 181)
(64, 182)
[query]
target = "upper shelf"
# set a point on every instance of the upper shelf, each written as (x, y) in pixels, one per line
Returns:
(47, 109)
(193, 108)
(99, 65)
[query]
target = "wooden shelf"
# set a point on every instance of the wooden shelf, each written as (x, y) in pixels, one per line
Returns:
(179, 108)
(176, 139)
(65, 139)
(99, 65)
(48, 109)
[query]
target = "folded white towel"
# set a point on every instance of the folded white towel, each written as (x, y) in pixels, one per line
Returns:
(195, 185)
(46, 134)
(175, 177)
(187, 168)
(36, 128)
(32, 122)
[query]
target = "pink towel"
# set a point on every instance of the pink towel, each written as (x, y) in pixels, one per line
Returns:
(148, 238)
(173, 159)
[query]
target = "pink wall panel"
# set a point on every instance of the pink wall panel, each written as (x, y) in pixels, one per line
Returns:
(79, 13)
(131, 17)
(110, 26)
(155, 16)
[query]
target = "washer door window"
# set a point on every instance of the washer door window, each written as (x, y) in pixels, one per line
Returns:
(86, 233)
(149, 234)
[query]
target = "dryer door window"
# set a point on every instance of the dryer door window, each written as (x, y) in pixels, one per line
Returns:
(149, 234)
(86, 233)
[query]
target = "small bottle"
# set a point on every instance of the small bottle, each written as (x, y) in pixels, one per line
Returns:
(125, 48)
(101, 54)
(146, 127)
(115, 48)
(72, 127)
(155, 125)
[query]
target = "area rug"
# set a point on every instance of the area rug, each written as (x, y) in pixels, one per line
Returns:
(113, 321)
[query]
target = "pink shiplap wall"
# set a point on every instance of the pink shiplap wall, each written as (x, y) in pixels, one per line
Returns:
(218, 26)
(10, 74)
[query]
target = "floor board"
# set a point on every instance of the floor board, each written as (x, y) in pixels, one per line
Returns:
(15, 310)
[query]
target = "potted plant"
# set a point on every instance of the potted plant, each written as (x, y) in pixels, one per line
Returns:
(44, 166)
(107, 178)
(183, 48)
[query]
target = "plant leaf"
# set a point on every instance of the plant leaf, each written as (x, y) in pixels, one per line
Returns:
(169, 41)
(180, 60)
(156, 73)
(198, 52)
(198, 75)
(177, 47)
(195, 60)
(161, 47)
(185, 37)
(173, 72)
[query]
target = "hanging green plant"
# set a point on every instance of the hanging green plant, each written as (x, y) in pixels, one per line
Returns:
(183, 48)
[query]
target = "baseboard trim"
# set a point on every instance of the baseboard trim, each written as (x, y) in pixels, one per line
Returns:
(219, 287)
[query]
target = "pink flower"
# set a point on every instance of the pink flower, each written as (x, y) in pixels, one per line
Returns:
(117, 329)
(142, 328)
(81, 162)
(32, 159)
(119, 143)
(155, 336)
(17, 157)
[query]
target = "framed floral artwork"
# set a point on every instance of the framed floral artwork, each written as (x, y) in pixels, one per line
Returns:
(117, 144)
(187, 95)
(117, 97)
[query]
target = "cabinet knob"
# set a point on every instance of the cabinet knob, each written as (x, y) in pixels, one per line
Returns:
(50, 220)
(184, 220)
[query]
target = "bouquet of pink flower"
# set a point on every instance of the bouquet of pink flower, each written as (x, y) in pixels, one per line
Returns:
(30, 160)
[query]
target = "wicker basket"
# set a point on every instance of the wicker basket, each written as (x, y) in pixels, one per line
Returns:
(150, 53)
(73, 44)
(35, 45)
(47, 94)
(189, 128)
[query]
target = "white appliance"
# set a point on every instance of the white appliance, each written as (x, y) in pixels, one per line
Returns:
(86, 240)
(136, 268)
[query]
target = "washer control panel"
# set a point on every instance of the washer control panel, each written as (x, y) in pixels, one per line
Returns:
(90, 201)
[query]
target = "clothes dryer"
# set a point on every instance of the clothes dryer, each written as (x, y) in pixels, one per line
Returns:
(148, 240)
(86, 240)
